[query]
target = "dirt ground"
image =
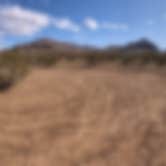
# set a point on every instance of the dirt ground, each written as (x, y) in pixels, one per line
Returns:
(95, 117)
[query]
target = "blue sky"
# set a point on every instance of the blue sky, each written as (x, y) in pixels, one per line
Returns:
(88, 22)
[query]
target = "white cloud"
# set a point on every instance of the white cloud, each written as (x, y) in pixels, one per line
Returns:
(18, 21)
(15, 20)
(66, 24)
(91, 23)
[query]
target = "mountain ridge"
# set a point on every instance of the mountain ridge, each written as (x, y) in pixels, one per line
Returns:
(48, 43)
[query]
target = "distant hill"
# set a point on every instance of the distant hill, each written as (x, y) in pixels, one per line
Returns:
(142, 45)
(49, 45)
(52, 46)
(46, 52)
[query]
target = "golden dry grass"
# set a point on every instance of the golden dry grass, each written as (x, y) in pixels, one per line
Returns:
(96, 117)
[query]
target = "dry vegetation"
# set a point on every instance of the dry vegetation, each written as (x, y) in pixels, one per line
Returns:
(85, 117)
(15, 63)
(82, 108)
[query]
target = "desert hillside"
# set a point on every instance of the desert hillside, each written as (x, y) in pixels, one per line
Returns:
(85, 117)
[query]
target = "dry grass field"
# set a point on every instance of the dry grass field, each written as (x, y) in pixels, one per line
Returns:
(85, 117)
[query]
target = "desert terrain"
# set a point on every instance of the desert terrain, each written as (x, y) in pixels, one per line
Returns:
(101, 116)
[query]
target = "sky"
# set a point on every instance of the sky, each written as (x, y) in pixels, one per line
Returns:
(87, 22)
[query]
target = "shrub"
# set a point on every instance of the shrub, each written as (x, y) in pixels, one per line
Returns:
(13, 67)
